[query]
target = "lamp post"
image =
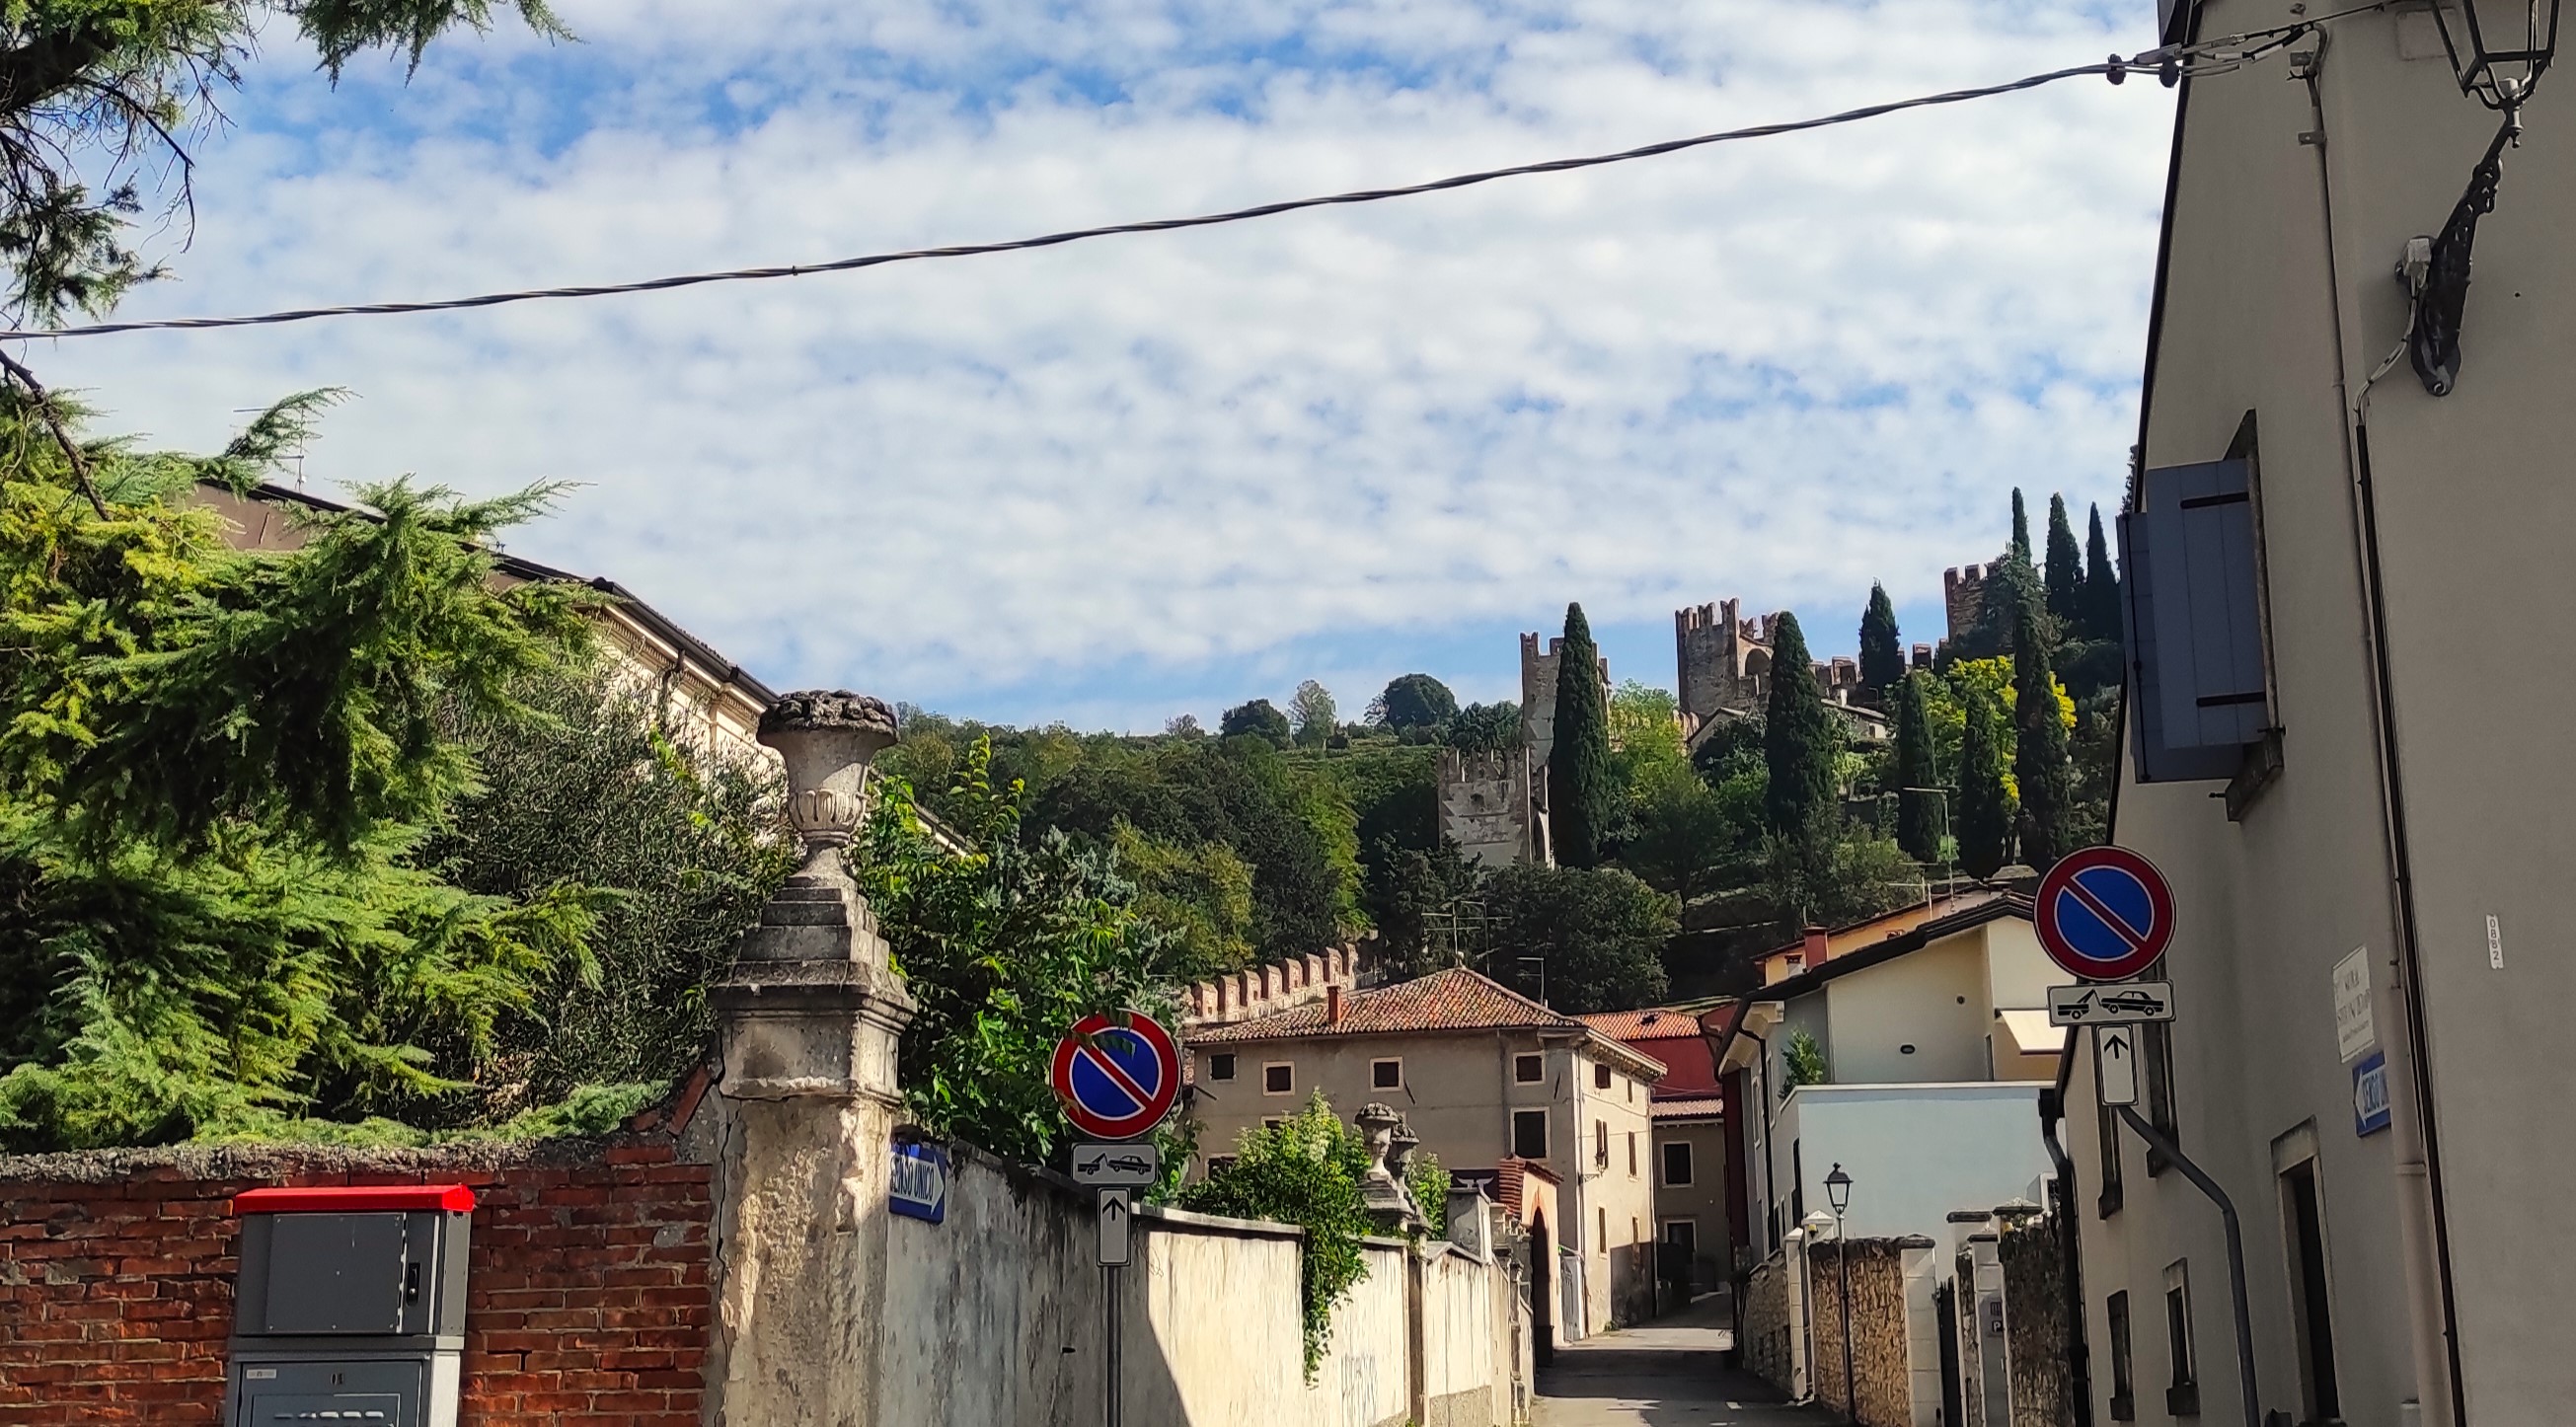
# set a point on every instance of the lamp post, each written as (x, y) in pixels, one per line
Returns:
(2499, 48)
(1838, 1193)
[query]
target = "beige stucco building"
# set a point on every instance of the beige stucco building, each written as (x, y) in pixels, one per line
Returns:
(1480, 1074)
(1691, 1168)
(2369, 873)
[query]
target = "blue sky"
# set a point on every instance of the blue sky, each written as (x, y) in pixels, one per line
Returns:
(1110, 483)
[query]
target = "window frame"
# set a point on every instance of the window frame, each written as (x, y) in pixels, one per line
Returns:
(1601, 1144)
(1690, 1170)
(1217, 1058)
(1546, 1132)
(1381, 1063)
(1530, 1060)
(1218, 1163)
(1601, 1075)
(1632, 1154)
(1268, 1066)
(2156, 1043)
(2124, 1400)
(2182, 1398)
(2114, 1186)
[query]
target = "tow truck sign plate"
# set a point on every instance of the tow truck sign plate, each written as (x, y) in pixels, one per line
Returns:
(2121, 1003)
(1129, 1166)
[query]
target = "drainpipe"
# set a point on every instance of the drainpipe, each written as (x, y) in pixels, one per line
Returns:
(2052, 1112)
(2422, 1231)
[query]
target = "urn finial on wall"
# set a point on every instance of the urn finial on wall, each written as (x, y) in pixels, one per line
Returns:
(827, 738)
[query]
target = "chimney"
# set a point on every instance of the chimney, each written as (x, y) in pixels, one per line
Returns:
(1815, 946)
(1333, 1004)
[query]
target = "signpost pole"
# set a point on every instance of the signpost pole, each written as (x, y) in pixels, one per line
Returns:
(1112, 1323)
(2235, 1254)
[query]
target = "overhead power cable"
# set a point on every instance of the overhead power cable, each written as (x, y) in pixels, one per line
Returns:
(2169, 64)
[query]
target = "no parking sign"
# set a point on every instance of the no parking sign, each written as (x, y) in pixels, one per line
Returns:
(2104, 914)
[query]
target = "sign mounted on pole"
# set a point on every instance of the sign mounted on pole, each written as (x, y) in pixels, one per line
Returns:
(2126, 1004)
(1120, 1166)
(1114, 1216)
(2103, 914)
(2115, 1064)
(1117, 1075)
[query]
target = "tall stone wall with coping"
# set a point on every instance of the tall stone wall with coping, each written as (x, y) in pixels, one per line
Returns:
(1762, 1339)
(1883, 1359)
(2034, 1262)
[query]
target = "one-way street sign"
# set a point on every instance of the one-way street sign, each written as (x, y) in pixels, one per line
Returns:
(2115, 1064)
(1129, 1166)
(1114, 1216)
(2124, 1003)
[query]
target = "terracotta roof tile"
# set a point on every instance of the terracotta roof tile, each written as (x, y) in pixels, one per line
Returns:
(1453, 1000)
(1652, 1023)
(1688, 1109)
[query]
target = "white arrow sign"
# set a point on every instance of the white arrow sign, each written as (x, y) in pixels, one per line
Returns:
(2115, 1064)
(1114, 1216)
(2120, 1003)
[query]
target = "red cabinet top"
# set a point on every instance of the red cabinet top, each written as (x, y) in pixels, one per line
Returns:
(354, 1199)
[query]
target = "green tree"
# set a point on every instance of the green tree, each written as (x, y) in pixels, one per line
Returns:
(2101, 585)
(1918, 811)
(1599, 932)
(1313, 713)
(1581, 800)
(1804, 1061)
(1645, 727)
(2019, 549)
(595, 790)
(112, 87)
(1421, 901)
(217, 775)
(1413, 701)
(1201, 894)
(1002, 948)
(1256, 719)
(2064, 572)
(1882, 658)
(1486, 728)
(1799, 741)
(1985, 809)
(1305, 1170)
(2042, 777)
(1679, 832)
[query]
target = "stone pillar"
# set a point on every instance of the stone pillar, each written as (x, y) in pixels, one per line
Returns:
(1793, 1265)
(808, 1023)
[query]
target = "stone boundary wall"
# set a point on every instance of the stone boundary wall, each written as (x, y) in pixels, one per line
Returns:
(1762, 1339)
(1881, 1369)
(587, 1298)
(2034, 1261)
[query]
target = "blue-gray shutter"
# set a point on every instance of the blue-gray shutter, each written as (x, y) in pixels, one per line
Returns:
(2195, 638)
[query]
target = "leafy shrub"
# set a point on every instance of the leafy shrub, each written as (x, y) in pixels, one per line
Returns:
(1305, 1171)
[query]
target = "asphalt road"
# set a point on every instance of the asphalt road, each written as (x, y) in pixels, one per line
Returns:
(1669, 1373)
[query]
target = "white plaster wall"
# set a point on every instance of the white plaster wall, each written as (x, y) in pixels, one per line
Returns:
(1914, 1152)
(1459, 1349)
(1932, 1000)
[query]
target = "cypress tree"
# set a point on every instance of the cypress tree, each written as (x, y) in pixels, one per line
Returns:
(2039, 751)
(1985, 809)
(2101, 585)
(1579, 795)
(1882, 659)
(2065, 570)
(2020, 547)
(1918, 814)
(1798, 740)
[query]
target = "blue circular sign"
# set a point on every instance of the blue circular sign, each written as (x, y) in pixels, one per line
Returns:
(1117, 1075)
(2104, 914)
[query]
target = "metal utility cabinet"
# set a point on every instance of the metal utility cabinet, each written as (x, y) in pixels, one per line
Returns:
(350, 1306)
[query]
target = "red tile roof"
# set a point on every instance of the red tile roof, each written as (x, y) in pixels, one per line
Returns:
(1652, 1023)
(1688, 1109)
(1453, 1000)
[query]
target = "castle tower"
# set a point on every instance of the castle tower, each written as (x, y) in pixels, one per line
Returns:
(1963, 596)
(1538, 703)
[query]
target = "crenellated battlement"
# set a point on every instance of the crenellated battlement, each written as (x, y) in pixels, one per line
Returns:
(1267, 990)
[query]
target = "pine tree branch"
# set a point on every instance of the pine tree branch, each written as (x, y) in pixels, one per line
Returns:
(36, 392)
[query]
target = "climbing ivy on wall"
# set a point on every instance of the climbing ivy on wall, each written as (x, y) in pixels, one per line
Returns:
(1305, 1170)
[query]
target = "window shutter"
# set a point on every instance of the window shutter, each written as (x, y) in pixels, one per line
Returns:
(2199, 690)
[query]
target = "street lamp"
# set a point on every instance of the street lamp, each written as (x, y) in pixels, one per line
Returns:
(2498, 48)
(1838, 1193)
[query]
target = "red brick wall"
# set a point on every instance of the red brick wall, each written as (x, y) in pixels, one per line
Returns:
(587, 1295)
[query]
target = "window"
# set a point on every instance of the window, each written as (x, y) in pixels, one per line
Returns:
(1278, 1077)
(1528, 1069)
(1600, 1076)
(2112, 1194)
(2182, 1399)
(1677, 1163)
(1386, 1074)
(2312, 1313)
(2157, 1044)
(1601, 1240)
(1272, 1122)
(1796, 963)
(1632, 1092)
(1632, 1154)
(2124, 1402)
(2190, 562)
(1219, 1163)
(1529, 1134)
(1601, 1143)
(1221, 1066)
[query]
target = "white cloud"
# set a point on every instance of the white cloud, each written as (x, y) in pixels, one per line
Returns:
(1778, 369)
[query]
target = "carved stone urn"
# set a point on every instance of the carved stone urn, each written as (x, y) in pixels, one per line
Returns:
(828, 738)
(1377, 1124)
(1400, 1147)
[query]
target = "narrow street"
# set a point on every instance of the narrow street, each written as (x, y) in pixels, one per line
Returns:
(1671, 1373)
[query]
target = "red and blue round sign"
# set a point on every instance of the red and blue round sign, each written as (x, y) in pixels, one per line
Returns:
(2104, 913)
(1117, 1075)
